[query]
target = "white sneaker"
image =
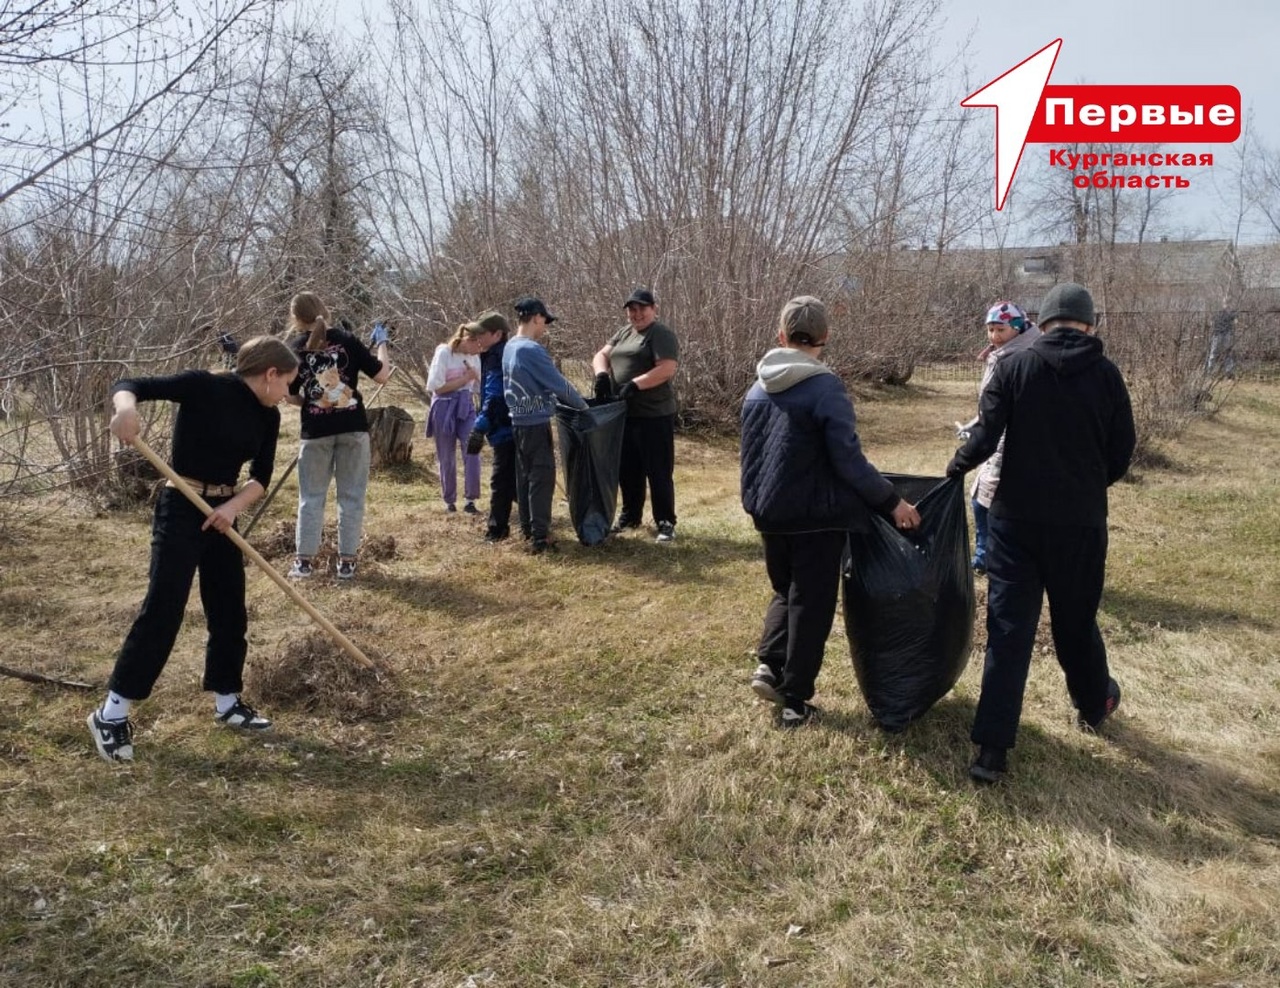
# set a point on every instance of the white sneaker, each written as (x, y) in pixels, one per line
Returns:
(243, 717)
(112, 738)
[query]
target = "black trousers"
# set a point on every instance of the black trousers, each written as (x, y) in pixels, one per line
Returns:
(502, 488)
(648, 457)
(535, 478)
(178, 550)
(804, 571)
(1025, 561)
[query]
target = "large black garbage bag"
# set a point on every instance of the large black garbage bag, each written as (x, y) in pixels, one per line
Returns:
(591, 448)
(908, 603)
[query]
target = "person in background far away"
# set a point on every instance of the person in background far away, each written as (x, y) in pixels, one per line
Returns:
(641, 359)
(1064, 413)
(805, 483)
(223, 420)
(1008, 331)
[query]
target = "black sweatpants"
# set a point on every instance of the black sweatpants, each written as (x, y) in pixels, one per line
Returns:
(535, 478)
(502, 488)
(1025, 561)
(648, 456)
(178, 550)
(804, 571)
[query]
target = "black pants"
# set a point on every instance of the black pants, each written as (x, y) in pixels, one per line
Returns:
(1024, 562)
(178, 549)
(648, 455)
(804, 571)
(535, 479)
(502, 488)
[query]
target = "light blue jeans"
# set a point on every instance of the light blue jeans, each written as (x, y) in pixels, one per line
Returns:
(345, 458)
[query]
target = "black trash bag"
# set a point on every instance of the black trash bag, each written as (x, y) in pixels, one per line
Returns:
(908, 603)
(591, 447)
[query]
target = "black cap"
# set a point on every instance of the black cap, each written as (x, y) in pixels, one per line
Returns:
(641, 296)
(531, 305)
(1067, 301)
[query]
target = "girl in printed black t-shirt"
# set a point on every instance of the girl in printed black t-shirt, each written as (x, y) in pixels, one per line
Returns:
(335, 431)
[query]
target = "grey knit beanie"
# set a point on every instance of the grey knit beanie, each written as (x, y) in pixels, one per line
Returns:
(1067, 301)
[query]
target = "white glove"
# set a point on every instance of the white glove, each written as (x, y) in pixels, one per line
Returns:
(962, 432)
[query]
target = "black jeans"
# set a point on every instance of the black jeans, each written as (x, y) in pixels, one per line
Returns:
(535, 479)
(648, 454)
(178, 549)
(1025, 561)
(804, 571)
(502, 488)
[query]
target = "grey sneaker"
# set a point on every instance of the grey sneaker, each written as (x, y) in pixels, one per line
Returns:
(796, 713)
(765, 684)
(990, 765)
(666, 531)
(112, 738)
(243, 717)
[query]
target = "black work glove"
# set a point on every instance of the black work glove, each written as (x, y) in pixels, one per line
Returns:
(627, 390)
(604, 387)
(955, 471)
(475, 442)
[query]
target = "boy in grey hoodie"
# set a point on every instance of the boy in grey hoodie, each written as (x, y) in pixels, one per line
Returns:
(531, 387)
(805, 483)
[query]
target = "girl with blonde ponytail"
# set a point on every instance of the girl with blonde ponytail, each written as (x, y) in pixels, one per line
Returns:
(335, 430)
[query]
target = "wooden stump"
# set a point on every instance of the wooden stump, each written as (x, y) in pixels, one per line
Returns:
(390, 435)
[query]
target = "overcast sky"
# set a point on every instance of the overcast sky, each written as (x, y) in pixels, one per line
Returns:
(1174, 42)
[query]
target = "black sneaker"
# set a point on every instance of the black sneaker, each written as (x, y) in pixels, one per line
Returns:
(622, 524)
(990, 765)
(112, 738)
(470, 508)
(497, 535)
(796, 713)
(765, 684)
(1108, 708)
(346, 569)
(666, 531)
(243, 717)
(301, 569)
(538, 546)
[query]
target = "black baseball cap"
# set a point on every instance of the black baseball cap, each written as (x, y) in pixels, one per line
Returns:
(531, 305)
(641, 296)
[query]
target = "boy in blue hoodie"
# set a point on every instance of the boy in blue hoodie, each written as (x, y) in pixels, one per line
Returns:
(531, 385)
(805, 483)
(494, 422)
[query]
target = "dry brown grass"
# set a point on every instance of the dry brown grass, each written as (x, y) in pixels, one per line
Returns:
(574, 786)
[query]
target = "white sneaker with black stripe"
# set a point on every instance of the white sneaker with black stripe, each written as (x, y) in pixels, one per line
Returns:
(112, 738)
(243, 717)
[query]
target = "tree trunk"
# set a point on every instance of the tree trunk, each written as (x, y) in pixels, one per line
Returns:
(390, 435)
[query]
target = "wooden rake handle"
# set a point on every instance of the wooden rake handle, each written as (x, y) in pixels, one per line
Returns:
(347, 645)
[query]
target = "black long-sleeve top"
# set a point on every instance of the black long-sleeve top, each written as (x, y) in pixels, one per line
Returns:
(220, 424)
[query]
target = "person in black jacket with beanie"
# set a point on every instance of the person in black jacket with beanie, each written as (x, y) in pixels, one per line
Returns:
(1068, 424)
(805, 483)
